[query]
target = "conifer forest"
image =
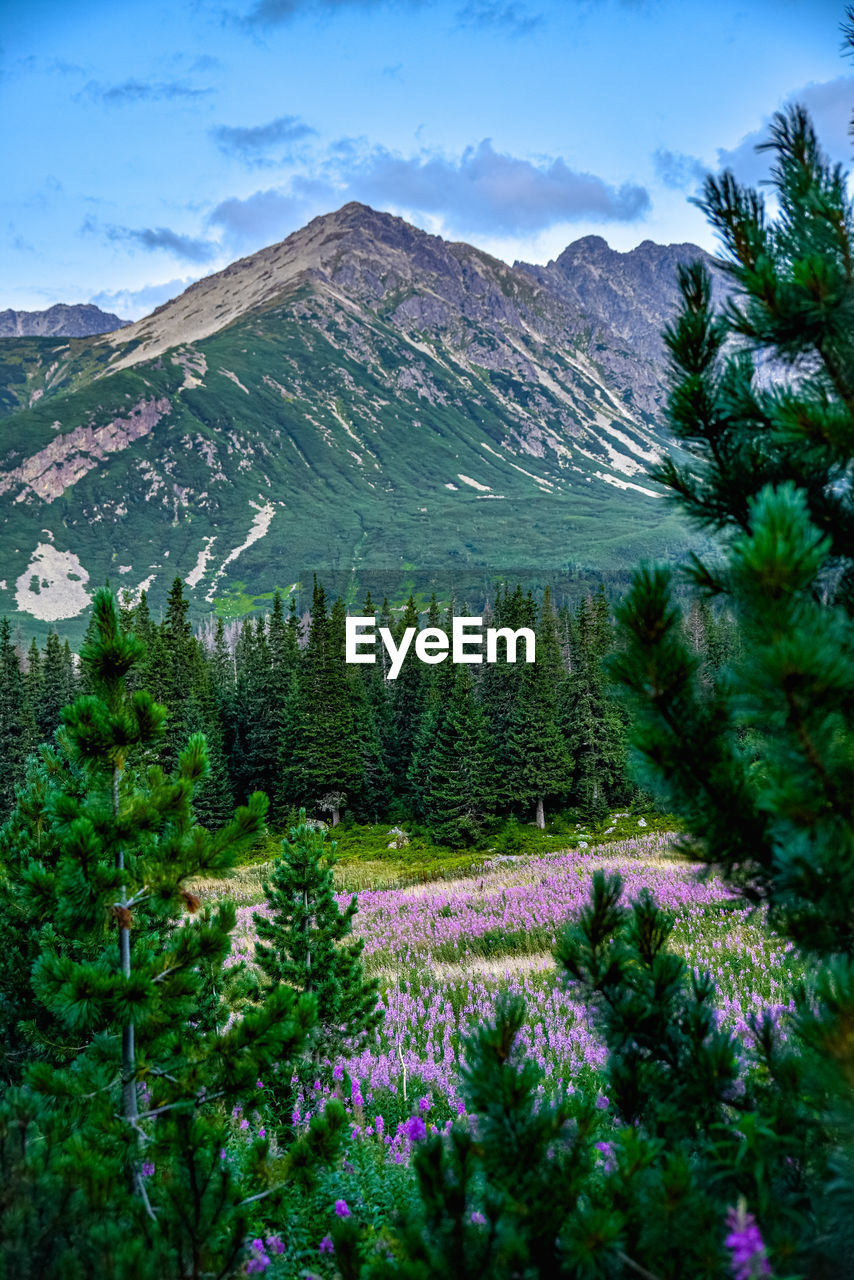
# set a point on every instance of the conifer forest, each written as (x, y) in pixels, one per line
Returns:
(490, 971)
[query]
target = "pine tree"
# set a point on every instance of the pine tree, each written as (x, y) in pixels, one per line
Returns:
(17, 730)
(264, 731)
(33, 679)
(112, 1165)
(213, 801)
(302, 940)
(28, 1031)
(407, 702)
(591, 718)
(57, 688)
(289, 718)
(458, 785)
(537, 764)
(177, 658)
(243, 701)
(327, 767)
(375, 729)
(500, 689)
(761, 766)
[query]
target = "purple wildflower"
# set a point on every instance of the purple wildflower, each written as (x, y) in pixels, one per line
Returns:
(147, 1169)
(274, 1244)
(423, 1104)
(326, 1245)
(341, 1209)
(415, 1128)
(258, 1260)
(744, 1241)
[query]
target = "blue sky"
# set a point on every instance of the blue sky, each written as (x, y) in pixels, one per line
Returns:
(147, 143)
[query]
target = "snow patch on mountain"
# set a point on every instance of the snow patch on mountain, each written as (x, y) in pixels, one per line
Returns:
(52, 586)
(197, 572)
(260, 525)
(484, 488)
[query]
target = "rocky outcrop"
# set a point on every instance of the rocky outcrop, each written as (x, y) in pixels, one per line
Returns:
(48, 473)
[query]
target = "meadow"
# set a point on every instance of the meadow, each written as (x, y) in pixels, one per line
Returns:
(444, 947)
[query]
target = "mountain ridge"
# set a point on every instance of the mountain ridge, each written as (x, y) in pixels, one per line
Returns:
(62, 320)
(361, 396)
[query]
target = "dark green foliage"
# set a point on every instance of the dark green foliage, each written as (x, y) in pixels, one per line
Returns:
(590, 715)
(27, 1029)
(302, 940)
(57, 686)
(326, 770)
(110, 1148)
(294, 720)
(759, 759)
(537, 764)
(213, 801)
(783, 832)
(16, 719)
(457, 787)
(408, 694)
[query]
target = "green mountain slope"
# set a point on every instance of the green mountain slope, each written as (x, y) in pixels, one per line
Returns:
(361, 397)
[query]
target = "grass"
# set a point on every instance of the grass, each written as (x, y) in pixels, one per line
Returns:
(366, 862)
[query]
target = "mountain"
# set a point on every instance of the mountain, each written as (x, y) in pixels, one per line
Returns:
(626, 298)
(362, 397)
(60, 321)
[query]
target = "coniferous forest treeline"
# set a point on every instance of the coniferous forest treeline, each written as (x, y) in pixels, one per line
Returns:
(456, 749)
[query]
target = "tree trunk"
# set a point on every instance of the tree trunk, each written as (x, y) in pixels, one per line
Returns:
(541, 814)
(336, 817)
(128, 1047)
(307, 934)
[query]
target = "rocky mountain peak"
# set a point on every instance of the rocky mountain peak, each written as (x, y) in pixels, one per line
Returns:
(353, 234)
(63, 320)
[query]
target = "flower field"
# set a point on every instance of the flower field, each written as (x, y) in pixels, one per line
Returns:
(443, 951)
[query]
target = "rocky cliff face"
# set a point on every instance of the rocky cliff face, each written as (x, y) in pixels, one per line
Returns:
(625, 299)
(362, 396)
(80, 320)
